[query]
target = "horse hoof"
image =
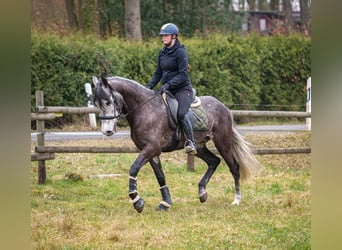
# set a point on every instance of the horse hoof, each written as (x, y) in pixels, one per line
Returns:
(162, 208)
(139, 205)
(203, 197)
(235, 203)
(237, 200)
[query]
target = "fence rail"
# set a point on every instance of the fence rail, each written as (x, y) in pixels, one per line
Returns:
(256, 113)
(66, 110)
(45, 110)
(43, 153)
(85, 149)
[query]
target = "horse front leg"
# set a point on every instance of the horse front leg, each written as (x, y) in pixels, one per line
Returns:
(166, 202)
(135, 199)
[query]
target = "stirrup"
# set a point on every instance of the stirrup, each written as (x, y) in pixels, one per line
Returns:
(190, 148)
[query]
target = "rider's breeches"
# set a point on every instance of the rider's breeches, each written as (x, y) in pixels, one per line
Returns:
(184, 98)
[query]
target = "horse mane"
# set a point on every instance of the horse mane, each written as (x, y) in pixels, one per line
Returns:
(131, 82)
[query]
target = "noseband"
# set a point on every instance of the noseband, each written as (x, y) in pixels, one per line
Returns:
(109, 117)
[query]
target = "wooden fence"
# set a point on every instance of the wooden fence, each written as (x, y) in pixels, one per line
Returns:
(43, 153)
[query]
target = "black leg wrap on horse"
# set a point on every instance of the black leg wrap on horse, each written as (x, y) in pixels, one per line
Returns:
(138, 203)
(132, 186)
(166, 194)
(166, 203)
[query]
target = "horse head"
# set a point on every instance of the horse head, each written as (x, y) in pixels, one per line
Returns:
(109, 102)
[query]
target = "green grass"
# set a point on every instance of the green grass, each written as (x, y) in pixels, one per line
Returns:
(94, 213)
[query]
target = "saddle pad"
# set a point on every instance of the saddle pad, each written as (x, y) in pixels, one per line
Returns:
(200, 118)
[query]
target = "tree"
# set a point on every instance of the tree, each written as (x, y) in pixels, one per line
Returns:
(251, 4)
(289, 22)
(305, 16)
(132, 20)
(71, 13)
(274, 5)
(104, 18)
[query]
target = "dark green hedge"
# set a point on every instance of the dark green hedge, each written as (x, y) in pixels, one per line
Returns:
(243, 72)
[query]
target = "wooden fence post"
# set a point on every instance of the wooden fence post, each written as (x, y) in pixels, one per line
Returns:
(191, 163)
(40, 138)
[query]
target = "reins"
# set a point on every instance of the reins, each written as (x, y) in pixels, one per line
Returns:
(148, 100)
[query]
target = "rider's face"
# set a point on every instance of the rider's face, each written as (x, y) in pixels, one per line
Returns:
(167, 39)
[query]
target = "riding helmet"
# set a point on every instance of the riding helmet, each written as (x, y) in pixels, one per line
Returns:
(168, 29)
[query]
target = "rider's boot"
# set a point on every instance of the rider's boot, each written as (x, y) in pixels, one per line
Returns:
(189, 147)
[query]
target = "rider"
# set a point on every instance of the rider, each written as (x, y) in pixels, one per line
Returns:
(172, 70)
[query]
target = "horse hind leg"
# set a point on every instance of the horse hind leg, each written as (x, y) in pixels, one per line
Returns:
(236, 175)
(212, 161)
(225, 151)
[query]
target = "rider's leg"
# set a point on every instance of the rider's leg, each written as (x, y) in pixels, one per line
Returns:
(184, 98)
(189, 147)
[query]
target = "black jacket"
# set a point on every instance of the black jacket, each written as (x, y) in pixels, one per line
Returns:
(172, 68)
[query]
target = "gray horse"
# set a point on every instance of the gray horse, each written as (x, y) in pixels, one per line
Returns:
(147, 116)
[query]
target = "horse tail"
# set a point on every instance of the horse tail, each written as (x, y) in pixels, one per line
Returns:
(244, 156)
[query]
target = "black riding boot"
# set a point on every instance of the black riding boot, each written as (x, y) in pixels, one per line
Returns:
(189, 147)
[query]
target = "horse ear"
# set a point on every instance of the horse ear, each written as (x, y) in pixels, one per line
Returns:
(104, 80)
(96, 81)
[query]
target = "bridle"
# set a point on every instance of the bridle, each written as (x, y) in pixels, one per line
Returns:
(128, 113)
(112, 117)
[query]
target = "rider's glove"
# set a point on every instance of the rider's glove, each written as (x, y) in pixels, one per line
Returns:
(164, 87)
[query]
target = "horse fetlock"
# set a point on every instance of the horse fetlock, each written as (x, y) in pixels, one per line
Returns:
(133, 196)
(166, 195)
(136, 200)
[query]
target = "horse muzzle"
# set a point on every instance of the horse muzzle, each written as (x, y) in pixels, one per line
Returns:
(108, 127)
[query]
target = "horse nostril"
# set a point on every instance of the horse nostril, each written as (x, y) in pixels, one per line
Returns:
(108, 133)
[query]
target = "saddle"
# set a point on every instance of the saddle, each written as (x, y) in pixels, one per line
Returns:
(198, 116)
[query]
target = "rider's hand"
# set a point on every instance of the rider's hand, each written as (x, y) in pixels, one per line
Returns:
(164, 87)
